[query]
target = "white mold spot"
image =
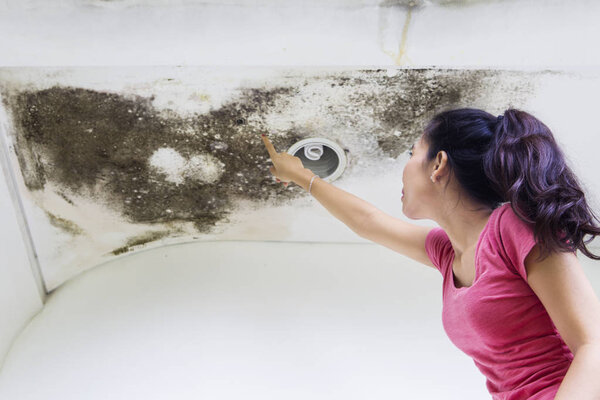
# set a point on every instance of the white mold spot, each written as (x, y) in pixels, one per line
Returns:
(169, 162)
(203, 167)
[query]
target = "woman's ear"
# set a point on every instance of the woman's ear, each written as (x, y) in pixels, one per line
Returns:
(440, 165)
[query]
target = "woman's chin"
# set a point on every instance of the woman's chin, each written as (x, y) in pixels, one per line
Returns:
(407, 213)
(404, 208)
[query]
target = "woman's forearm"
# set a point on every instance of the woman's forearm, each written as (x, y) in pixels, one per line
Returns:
(346, 207)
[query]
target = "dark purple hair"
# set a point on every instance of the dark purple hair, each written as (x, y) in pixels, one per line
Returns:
(514, 158)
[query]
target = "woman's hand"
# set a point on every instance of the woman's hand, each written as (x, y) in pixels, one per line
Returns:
(285, 166)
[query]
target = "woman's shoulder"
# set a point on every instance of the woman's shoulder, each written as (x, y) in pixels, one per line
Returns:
(438, 247)
(506, 219)
(513, 237)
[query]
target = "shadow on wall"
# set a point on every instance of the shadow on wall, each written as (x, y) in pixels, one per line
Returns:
(175, 158)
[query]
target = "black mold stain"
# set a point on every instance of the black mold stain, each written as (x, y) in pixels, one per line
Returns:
(138, 240)
(66, 225)
(67, 199)
(417, 98)
(80, 138)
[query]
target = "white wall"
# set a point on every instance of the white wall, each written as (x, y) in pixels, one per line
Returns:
(510, 33)
(20, 298)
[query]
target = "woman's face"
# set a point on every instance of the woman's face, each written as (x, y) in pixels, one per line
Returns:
(418, 188)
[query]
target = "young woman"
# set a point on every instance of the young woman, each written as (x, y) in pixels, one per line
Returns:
(511, 217)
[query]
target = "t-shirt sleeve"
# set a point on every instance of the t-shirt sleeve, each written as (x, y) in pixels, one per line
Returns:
(438, 248)
(517, 240)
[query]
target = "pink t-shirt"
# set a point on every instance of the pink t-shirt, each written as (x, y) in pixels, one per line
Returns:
(499, 321)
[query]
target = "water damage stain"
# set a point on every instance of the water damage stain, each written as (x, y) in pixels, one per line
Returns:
(142, 239)
(419, 4)
(66, 225)
(155, 166)
(81, 137)
(406, 109)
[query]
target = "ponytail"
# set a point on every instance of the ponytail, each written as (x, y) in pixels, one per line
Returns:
(514, 158)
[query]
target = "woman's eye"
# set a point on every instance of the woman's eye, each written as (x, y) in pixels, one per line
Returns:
(410, 153)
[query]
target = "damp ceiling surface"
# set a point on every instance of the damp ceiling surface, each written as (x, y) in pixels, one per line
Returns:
(110, 160)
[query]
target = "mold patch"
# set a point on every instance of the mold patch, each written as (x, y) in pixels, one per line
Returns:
(156, 166)
(159, 167)
(124, 148)
(142, 239)
(65, 225)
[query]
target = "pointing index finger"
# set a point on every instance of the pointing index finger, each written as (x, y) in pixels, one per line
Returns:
(269, 146)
